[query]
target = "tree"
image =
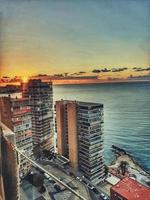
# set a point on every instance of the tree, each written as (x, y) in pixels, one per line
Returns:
(123, 167)
(106, 170)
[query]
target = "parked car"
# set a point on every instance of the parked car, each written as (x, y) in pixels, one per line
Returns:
(52, 181)
(90, 186)
(42, 189)
(104, 196)
(95, 190)
(84, 181)
(46, 175)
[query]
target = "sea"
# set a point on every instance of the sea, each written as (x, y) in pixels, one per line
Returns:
(126, 115)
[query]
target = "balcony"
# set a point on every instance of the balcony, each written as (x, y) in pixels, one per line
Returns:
(21, 111)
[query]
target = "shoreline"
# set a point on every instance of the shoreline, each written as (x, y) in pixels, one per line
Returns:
(132, 168)
(120, 152)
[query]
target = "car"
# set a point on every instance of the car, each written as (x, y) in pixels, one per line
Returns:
(50, 178)
(46, 175)
(102, 195)
(90, 186)
(71, 174)
(95, 190)
(78, 178)
(105, 198)
(57, 187)
(52, 181)
(42, 189)
(84, 181)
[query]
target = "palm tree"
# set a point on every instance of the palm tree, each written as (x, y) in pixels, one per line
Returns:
(123, 166)
(106, 170)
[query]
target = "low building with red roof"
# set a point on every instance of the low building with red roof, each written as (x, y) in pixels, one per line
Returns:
(129, 189)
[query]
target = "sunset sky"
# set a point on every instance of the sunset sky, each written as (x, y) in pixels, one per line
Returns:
(57, 36)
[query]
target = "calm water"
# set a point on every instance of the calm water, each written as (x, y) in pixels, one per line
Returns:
(126, 114)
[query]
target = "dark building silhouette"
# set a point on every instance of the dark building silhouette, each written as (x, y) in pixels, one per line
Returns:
(9, 173)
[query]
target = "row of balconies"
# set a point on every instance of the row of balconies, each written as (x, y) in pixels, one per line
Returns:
(88, 143)
(24, 145)
(88, 125)
(94, 160)
(90, 136)
(41, 132)
(23, 137)
(90, 118)
(41, 126)
(41, 122)
(21, 128)
(91, 121)
(98, 170)
(87, 153)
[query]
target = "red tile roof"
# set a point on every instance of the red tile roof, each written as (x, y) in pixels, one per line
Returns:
(131, 189)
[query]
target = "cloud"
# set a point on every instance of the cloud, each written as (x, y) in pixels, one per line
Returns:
(119, 69)
(78, 73)
(59, 75)
(101, 70)
(74, 74)
(81, 72)
(141, 77)
(109, 70)
(139, 69)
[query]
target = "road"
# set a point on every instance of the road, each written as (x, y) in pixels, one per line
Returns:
(59, 173)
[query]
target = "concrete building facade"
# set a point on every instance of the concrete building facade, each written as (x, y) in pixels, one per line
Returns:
(80, 137)
(41, 102)
(16, 115)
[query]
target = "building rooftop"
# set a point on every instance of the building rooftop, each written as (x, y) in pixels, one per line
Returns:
(89, 103)
(113, 180)
(6, 130)
(9, 134)
(131, 189)
(35, 83)
(82, 103)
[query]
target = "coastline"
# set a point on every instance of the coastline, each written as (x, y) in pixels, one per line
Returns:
(133, 168)
(120, 152)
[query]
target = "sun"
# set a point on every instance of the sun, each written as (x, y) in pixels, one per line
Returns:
(24, 79)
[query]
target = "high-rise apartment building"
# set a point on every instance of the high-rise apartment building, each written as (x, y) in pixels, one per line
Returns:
(80, 137)
(67, 136)
(41, 102)
(9, 165)
(16, 115)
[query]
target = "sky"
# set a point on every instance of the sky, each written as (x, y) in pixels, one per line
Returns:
(58, 36)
